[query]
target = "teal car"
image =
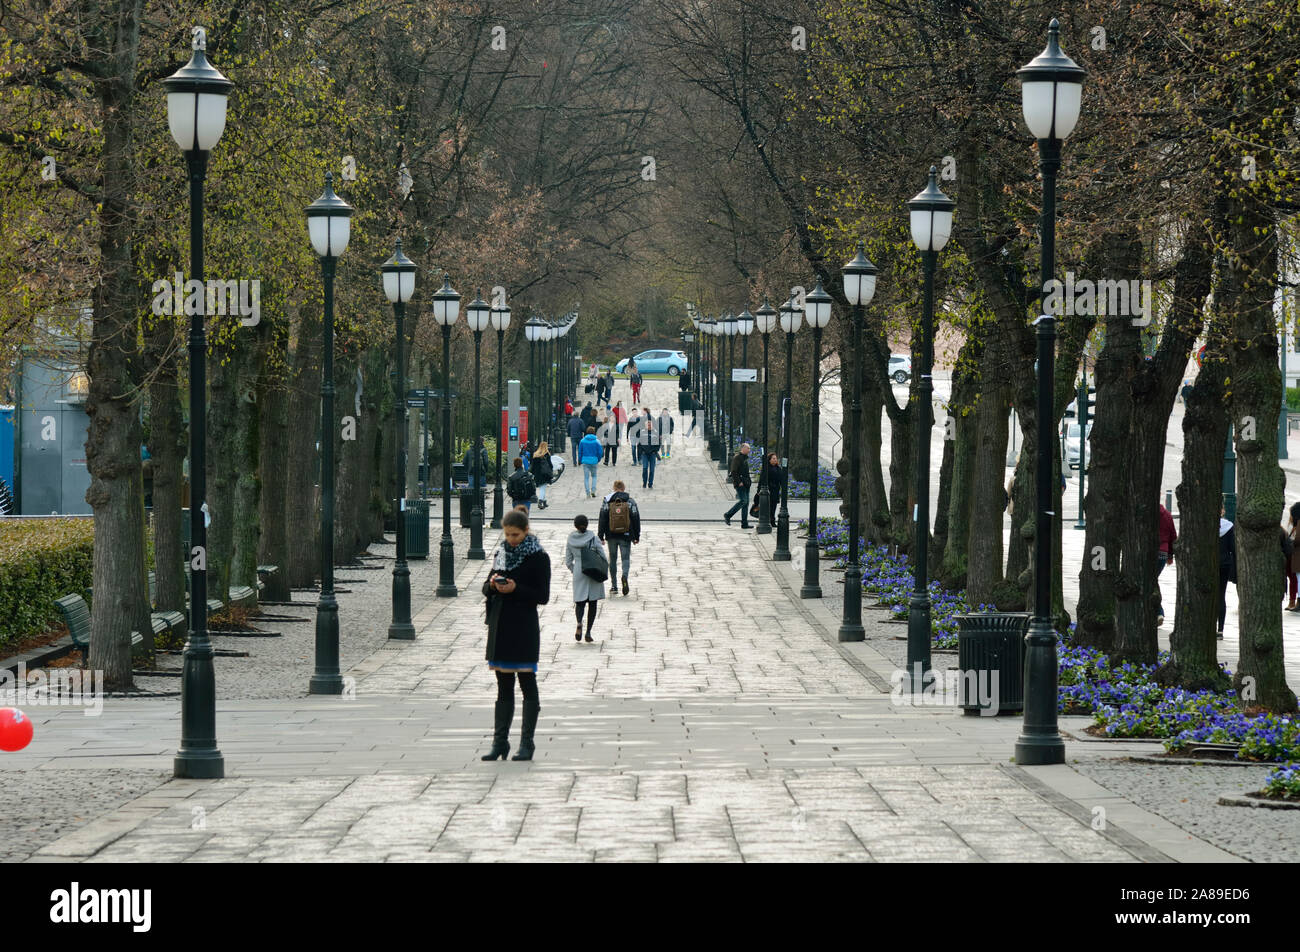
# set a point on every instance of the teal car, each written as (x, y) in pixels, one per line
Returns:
(672, 362)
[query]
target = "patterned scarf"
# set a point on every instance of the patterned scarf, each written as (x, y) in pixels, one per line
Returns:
(514, 555)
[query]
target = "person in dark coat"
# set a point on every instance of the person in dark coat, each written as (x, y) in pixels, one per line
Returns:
(577, 429)
(543, 472)
(1227, 565)
(588, 415)
(769, 476)
(740, 482)
(586, 590)
(520, 581)
(521, 486)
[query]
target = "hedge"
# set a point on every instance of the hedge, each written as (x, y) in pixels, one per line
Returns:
(41, 560)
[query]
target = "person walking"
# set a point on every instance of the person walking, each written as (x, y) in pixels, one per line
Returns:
(1165, 556)
(600, 390)
(468, 462)
(1227, 564)
(620, 528)
(589, 453)
(634, 434)
(769, 476)
(608, 434)
(1293, 560)
(586, 590)
(521, 487)
(666, 426)
(620, 419)
(738, 474)
(576, 429)
(635, 379)
(649, 451)
(609, 388)
(519, 582)
(543, 472)
(588, 416)
(591, 378)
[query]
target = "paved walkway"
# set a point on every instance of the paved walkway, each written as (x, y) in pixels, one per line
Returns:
(715, 718)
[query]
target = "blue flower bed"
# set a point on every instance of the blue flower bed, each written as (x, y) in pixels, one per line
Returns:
(888, 580)
(1123, 698)
(1284, 782)
(798, 488)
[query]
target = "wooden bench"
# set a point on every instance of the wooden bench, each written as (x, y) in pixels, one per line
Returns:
(242, 594)
(174, 620)
(76, 615)
(265, 570)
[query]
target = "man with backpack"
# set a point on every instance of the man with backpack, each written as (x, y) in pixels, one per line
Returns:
(521, 487)
(620, 526)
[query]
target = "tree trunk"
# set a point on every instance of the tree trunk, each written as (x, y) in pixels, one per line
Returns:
(1255, 399)
(987, 508)
(1193, 662)
(166, 454)
(113, 438)
(952, 555)
(303, 459)
(248, 482)
(223, 452)
(275, 436)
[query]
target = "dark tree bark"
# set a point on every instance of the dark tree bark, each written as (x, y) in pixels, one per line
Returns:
(1255, 397)
(274, 434)
(167, 449)
(984, 568)
(116, 491)
(1193, 647)
(1153, 390)
(959, 474)
(303, 460)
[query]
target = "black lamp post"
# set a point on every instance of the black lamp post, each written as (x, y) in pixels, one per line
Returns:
(715, 380)
(500, 321)
(477, 315)
(533, 333)
(791, 318)
(399, 284)
(446, 308)
(196, 114)
(744, 327)
(931, 220)
(329, 221)
(729, 399)
(859, 287)
(1052, 92)
(817, 308)
(765, 318)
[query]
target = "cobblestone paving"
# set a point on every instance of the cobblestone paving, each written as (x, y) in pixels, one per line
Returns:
(39, 806)
(714, 719)
(1188, 797)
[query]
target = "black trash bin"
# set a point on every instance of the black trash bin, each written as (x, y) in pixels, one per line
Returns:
(417, 528)
(991, 661)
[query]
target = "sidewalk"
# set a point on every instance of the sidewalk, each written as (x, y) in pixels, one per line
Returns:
(715, 718)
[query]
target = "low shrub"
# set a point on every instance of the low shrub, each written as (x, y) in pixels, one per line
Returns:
(41, 560)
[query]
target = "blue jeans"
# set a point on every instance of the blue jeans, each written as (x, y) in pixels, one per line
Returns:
(648, 461)
(589, 477)
(616, 545)
(742, 504)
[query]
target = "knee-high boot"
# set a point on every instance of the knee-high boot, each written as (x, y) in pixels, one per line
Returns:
(532, 707)
(504, 715)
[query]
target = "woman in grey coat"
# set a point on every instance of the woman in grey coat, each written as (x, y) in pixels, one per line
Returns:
(586, 590)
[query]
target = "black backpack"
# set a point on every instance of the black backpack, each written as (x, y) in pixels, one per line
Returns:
(521, 485)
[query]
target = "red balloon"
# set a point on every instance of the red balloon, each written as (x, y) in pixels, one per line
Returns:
(15, 729)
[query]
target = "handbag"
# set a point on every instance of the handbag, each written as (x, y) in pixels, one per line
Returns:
(594, 564)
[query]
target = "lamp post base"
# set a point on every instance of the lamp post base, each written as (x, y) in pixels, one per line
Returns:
(1040, 741)
(764, 508)
(446, 580)
(851, 626)
(327, 679)
(918, 641)
(199, 764)
(401, 628)
(476, 535)
(782, 553)
(811, 571)
(498, 506)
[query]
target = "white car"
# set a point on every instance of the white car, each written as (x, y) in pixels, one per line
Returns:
(1072, 444)
(900, 367)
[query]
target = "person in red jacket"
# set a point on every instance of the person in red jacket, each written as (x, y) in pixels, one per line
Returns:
(1168, 535)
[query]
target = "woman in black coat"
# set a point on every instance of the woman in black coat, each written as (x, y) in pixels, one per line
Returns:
(520, 580)
(1227, 564)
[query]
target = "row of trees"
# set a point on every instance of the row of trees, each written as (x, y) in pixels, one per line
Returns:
(633, 153)
(1182, 172)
